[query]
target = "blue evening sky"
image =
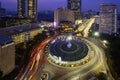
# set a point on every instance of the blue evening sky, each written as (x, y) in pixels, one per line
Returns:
(53, 4)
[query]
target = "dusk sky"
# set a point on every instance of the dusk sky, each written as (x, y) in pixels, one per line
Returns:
(53, 4)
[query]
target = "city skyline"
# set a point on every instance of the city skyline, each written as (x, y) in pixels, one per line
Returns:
(94, 4)
(59, 39)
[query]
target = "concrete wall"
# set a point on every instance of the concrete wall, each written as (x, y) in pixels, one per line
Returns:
(7, 58)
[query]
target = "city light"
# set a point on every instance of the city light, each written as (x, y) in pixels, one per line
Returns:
(105, 41)
(54, 24)
(51, 42)
(42, 26)
(69, 38)
(96, 34)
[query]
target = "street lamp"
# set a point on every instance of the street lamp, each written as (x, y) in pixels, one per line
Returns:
(105, 41)
(96, 34)
(54, 24)
(69, 38)
(42, 26)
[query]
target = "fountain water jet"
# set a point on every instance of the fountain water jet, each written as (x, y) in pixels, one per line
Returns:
(69, 45)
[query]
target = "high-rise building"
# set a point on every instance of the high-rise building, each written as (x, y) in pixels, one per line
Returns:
(75, 5)
(108, 18)
(2, 11)
(22, 8)
(27, 8)
(63, 14)
(32, 8)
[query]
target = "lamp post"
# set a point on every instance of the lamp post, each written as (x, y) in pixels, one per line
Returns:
(96, 34)
(105, 43)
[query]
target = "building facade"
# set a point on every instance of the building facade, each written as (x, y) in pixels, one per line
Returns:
(32, 8)
(27, 8)
(22, 8)
(97, 19)
(63, 14)
(22, 33)
(108, 18)
(7, 54)
(13, 21)
(66, 28)
(2, 11)
(75, 6)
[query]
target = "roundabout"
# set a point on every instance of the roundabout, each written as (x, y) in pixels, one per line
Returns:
(69, 51)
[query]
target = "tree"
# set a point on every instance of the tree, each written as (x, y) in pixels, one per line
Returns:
(102, 76)
(1, 75)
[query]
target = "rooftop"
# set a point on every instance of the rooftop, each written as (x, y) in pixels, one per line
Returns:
(18, 29)
(5, 39)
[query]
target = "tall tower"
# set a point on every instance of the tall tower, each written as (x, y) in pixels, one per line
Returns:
(75, 6)
(108, 18)
(27, 8)
(32, 8)
(22, 8)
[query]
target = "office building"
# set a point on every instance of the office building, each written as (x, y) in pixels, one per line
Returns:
(27, 8)
(22, 8)
(97, 19)
(108, 18)
(63, 14)
(13, 21)
(2, 11)
(32, 8)
(22, 33)
(75, 5)
(7, 54)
